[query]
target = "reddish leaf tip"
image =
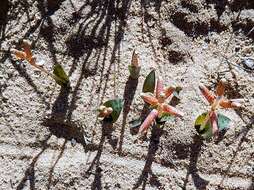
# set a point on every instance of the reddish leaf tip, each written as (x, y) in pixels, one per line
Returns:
(236, 104)
(148, 121)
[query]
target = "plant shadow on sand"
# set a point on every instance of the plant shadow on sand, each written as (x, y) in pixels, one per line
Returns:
(22, 72)
(90, 42)
(59, 123)
(59, 126)
(242, 134)
(30, 173)
(3, 18)
(129, 92)
(195, 149)
(107, 129)
(153, 147)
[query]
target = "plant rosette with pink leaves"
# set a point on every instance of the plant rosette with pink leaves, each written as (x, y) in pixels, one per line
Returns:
(210, 123)
(161, 111)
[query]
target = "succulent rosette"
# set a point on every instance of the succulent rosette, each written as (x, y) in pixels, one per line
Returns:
(210, 123)
(157, 101)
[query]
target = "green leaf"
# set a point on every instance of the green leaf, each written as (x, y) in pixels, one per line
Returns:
(134, 71)
(164, 118)
(223, 122)
(206, 132)
(117, 106)
(177, 92)
(135, 123)
(60, 76)
(178, 89)
(149, 84)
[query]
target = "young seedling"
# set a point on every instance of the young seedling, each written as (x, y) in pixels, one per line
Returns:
(110, 110)
(58, 75)
(210, 123)
(134, 67)
(160, 109)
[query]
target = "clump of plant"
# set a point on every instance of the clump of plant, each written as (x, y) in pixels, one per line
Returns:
(210, 123)
(110, 110)
(58, 74)
(156, 98)
(134, 67)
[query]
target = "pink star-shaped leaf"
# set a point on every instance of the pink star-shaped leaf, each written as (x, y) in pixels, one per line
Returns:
(157, 101)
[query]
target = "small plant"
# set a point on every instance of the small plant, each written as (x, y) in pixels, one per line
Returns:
(210, 123)
(134, 67)
(161, 111)
(58, 75)
(110, 110)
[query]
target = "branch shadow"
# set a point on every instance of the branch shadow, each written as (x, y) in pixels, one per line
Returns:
(92, 39)
(246, 130)
(30, 173)
(61, 106)
(195, 149)
(23, 73)
(96, 40)
(52, 6)
(252, 184)
(219, 5)
(51, 171)
(4, 85)
(108, 12)
(48, 28)
(4, 9)
(129, 92)
(153, 147)
(25, 7)
(107, 129)
(59, 127)
(146, 18)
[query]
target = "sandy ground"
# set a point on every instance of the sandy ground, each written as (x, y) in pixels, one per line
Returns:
(185, 41)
